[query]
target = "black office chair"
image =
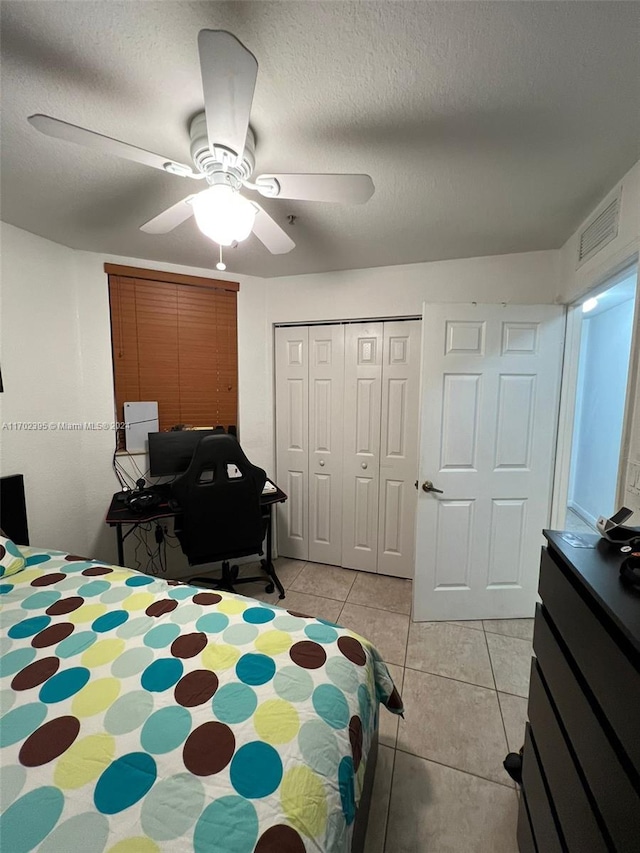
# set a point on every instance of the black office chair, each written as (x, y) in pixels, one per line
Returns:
(221, 516)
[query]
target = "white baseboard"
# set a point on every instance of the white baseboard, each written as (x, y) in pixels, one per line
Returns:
(584, 514)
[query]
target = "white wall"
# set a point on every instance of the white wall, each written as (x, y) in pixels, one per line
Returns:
(529, 278)
(575, 283)
(40, 353)
(602, 387)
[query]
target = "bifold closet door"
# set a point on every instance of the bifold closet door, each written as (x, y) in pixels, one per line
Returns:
(346, 437)
(292, 439)
(361, 468)
(326, 400)
(397, 498)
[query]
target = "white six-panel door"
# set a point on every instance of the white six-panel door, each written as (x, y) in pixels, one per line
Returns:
(363, 395)
(292, 440)
(399, 447)
(490, 388)
(326, 396)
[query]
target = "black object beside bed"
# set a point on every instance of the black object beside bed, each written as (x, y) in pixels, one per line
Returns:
(13, 509)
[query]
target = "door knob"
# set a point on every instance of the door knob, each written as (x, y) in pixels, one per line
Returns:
(364, 465)
(321, 463)
(428, 486)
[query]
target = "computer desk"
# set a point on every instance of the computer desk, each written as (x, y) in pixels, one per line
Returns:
(120, 515)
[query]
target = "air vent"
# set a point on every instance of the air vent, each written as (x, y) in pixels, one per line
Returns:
(600, 231)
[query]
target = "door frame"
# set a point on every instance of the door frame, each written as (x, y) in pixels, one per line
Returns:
(569, 387)
(345, 321)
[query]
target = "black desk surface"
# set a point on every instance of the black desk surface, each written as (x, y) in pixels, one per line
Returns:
(598, 569)
(120, 513)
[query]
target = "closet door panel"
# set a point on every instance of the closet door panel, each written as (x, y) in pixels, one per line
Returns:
(326, 397)
(292, 439)
(399, 447)
(362, 406)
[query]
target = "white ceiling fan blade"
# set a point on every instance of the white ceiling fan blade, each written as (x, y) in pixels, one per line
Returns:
(169, 218)
(72, 133)
(270, 233)
(229, 74)
(347, 189)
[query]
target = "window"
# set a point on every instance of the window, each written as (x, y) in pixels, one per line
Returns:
(174, 341)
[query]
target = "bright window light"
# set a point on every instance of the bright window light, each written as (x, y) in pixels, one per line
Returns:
(223, 215)
(589, 305)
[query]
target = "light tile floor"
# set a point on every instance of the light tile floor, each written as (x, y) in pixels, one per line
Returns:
(440, 785)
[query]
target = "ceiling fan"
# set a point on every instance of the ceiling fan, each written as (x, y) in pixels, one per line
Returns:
(223, 154)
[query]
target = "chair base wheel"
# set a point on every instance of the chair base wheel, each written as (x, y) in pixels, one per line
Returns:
(269, 588)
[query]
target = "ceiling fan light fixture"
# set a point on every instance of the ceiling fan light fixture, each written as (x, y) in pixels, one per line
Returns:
(223, 215)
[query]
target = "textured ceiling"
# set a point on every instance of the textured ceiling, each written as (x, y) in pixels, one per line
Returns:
(487, 127)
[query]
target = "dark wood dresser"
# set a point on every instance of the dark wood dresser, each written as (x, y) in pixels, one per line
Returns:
(581, 763)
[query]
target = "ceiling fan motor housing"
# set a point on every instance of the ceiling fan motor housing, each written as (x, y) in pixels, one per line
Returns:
(217, 162)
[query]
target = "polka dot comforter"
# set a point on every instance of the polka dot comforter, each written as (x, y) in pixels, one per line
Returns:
(141, 716)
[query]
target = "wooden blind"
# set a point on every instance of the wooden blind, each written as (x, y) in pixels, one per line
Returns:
(175, 342)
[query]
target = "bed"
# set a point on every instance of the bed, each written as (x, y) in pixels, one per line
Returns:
(140, 715)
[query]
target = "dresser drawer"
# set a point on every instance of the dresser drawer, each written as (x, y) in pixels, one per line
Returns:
(612, 678)
(545, 830)
(526, 844)
(611, 787)
(574, 810)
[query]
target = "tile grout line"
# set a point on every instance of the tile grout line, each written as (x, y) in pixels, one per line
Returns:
(507, 785)
(493, 675)
(501, 634)
(383, 609)
(386, 823)
(345, 600)
(352, 603)
(515, 695)
(351, 587)
(504, 727)
(506, 636)
(448, 677)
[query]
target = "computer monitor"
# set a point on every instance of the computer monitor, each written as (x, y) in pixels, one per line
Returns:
(170, 452)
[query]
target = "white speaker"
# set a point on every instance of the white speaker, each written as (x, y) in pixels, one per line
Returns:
(140, 419)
